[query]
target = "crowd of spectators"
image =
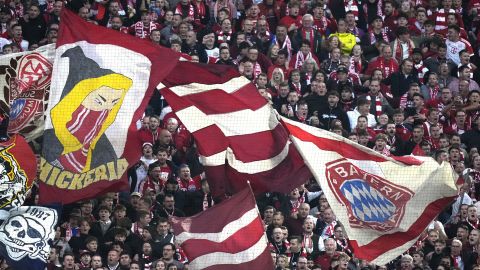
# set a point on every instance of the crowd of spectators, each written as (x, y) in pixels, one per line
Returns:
(398, 76)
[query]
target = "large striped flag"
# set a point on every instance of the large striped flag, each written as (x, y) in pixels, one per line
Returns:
(384, 203)
(238, 134)
(222, 239)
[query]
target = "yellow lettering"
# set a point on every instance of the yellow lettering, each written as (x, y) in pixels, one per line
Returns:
(77, 181)
(111, 171)
(53, 176)
(89, 176)
(64, 179)
(100, 173)
(45, 169)
(122, 166)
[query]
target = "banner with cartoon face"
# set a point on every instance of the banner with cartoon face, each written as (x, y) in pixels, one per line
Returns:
(102, 82)
(25, 80)
(25, 236)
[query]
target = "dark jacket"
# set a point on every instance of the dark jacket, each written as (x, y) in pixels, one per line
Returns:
(297, 40)
(327, 114)
(34, 30)
(399, 84)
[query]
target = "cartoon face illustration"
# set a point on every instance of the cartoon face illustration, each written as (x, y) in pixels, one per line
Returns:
(91, 100)
(103, 98)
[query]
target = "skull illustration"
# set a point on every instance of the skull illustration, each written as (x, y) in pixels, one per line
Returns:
(3, 173)
(13, 181)
(23, 236)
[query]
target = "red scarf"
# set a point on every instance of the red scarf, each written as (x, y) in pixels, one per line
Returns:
(441, 19)
(378, 103)
(201, 9)
(191, 11)
(387, 70)
(143, 31)
(224, 37)
(85, 126)
(384, 152)
(300, 59)
(49, 7)
(434, 92)
(355, 66)
(296, 203)
(308, 243)
(421, 70)
(352, 5)
(399, 50)
(257, 69)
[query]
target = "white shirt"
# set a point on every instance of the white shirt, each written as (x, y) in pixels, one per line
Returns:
(453, 48)
(353, 117)
(3, 42)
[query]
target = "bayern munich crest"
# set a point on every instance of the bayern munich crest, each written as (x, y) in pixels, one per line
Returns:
(371, 201)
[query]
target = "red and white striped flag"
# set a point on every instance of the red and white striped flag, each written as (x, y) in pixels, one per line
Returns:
(384, 203)
(238, 134)
(222, 239)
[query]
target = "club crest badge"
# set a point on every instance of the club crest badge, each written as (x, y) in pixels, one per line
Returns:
(371, 201)
(28, 90)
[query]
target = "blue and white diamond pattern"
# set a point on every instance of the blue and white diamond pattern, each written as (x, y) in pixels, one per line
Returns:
(16, 108)
(367, 203)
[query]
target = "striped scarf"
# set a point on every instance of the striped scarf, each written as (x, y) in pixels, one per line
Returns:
(441, 19)
(378, 103)
(398, 50)
(190, 14)
(286, 44)
(421, 70)
(352, 5)
(143, 31)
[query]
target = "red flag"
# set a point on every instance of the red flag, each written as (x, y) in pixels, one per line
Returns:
(237, 132)
(236, 240)
(384, 203)
(18, 168)
(101, 84)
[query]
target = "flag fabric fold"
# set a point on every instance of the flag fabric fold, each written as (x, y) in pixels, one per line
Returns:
(101, 84)
(384, 203)
(236, 240)
(238, 134)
